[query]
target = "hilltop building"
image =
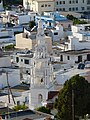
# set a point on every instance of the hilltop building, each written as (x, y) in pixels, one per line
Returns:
(50, 5)
(39, 6)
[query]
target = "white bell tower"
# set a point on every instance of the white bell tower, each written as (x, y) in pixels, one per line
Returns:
(41, 71)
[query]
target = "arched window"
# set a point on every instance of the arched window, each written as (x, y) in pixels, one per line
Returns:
(41, 80)
(40, 98)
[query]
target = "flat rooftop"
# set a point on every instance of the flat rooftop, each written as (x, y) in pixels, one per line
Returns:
(75, 52)
(5, 110)
(83, 25)
(29, 114)
(21, 87)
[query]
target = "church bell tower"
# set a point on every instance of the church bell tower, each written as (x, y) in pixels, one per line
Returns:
(41, 71)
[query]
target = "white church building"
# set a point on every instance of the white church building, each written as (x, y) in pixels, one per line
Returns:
(41, 72)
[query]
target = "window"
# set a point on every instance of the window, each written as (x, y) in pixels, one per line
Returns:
(60, 2)
(61, 58)
(76, 1)
(42, 5)
(68, 57)
(73, 9)
(82, 8)
(80, 58)
(49, 5)
(60, 9)
(40, 98)
(18, 102)
(88, 8)
(45, 5)
(21, 60)
(57, 9)
(63, 2)
(76, 8)
(56, 33)
(27, 71)
(17, 59)
(49, 24)
(57, 2)
(88, 1)
(82, 1)
(26, 61)
(69, 2)
(69, 9)
(46, 72)
(63, 9)
(73, 1)
(26, 99)
(41, 80)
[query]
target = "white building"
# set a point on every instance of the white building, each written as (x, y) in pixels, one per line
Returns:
(39, 6)
(41, 72)
(71, 57)
(50, 19)
(82, 32)
(5, 66)
(79, 39)
(23, 60)
(57, 33)
(64, 75)
(20, 94)
(19, 18)
(58, 5)
(13, 77)
(72, 5)
(5, 61)
(6, 36)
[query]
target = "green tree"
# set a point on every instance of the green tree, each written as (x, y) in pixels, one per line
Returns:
(43, 109)
(71, 17)
(79, 22)
(76, 20)
(81, 90)
(9, 47)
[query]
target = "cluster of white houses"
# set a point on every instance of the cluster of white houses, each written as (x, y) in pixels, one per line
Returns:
(38, 67)
(34, 65)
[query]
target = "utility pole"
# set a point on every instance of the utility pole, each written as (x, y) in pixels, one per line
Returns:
(9, 92)
(9, 89)
(72, 104)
